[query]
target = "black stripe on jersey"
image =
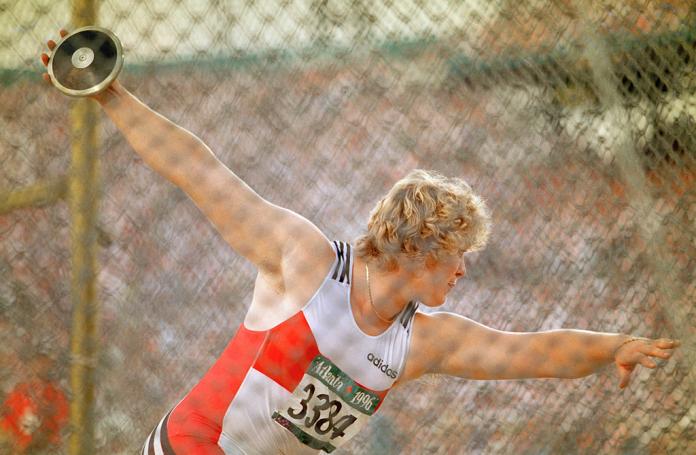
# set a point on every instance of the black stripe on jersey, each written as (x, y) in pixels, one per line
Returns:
(164, 438)
(341, 272)
(408, 313)
(162, 442)
(339, 253)
(151, 445)
(346, 269)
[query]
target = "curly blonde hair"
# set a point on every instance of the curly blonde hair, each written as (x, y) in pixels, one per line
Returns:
(424, 214)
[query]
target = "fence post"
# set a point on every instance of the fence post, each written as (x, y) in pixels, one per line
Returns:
(83, 198)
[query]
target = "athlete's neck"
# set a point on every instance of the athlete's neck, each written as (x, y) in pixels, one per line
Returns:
(376, 301)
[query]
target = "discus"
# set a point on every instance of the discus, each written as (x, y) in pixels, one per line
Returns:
(86, 61)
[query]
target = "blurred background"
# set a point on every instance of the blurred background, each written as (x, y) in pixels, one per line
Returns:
(574, 119)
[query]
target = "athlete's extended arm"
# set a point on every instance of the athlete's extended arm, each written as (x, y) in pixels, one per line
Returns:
(262, 232)
(452, 344)
(254, 227)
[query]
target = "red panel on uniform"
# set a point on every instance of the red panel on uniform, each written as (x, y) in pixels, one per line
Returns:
(201, 412)
(288, 352)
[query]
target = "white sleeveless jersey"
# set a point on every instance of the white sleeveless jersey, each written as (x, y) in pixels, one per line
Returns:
(308, 384)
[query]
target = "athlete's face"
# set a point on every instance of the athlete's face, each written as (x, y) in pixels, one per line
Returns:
(439, 278)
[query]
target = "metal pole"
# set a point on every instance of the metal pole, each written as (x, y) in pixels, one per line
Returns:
(38, 195)
(83, 192)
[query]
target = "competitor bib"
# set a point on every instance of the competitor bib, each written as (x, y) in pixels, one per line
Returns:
(327, 407)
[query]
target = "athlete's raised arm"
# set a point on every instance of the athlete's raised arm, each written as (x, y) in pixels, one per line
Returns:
(271, 237)
(451, 344)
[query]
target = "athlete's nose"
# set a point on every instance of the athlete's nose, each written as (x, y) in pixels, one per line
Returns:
(461, 270)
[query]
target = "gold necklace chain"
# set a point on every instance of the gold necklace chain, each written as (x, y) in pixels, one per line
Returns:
(372, 304)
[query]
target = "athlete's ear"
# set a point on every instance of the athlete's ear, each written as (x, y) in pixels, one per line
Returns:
(430, 261)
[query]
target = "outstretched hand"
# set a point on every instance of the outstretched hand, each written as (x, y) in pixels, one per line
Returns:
(636, 351)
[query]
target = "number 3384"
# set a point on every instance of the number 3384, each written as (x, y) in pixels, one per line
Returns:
(321, 413)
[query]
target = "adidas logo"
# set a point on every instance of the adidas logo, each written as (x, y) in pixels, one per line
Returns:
(383, 367)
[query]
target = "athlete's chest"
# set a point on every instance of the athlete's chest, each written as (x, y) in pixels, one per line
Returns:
(322, 379)
(316, 378)
(374, 361)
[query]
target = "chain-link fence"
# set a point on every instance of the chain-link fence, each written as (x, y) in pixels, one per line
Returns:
(575, 120)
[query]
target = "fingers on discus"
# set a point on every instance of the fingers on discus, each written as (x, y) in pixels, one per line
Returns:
(45, 58)
(52, 44)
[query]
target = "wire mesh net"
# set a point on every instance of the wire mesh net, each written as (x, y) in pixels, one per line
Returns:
(575, 121)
